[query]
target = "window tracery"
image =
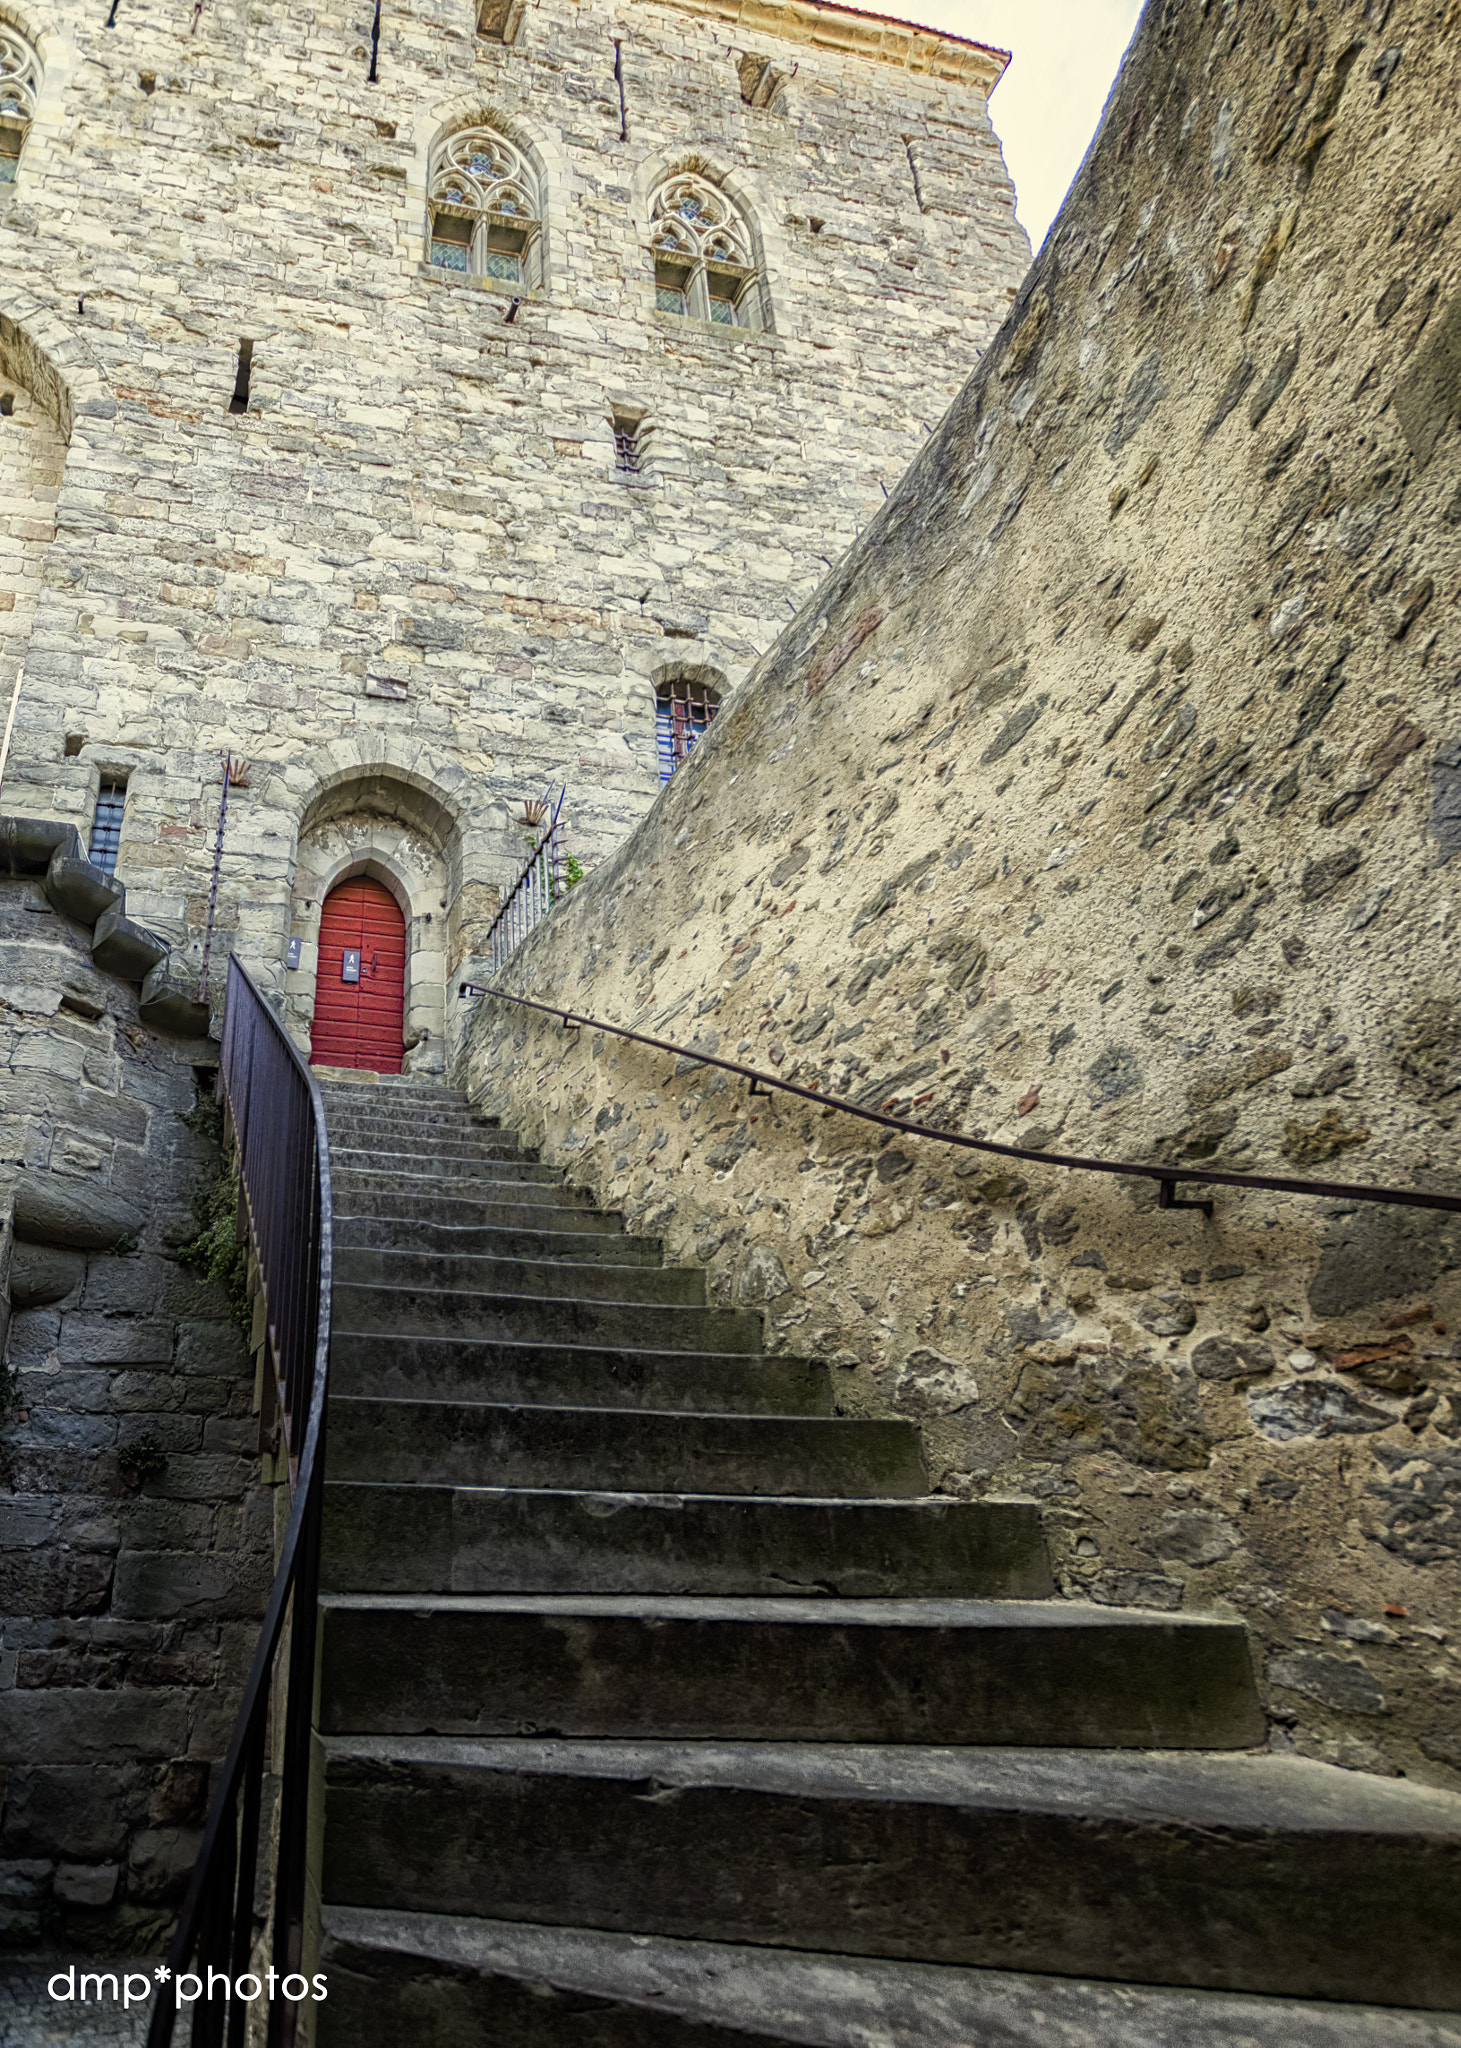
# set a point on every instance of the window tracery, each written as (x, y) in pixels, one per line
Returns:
(704, 261)
(20, 84)
(485, 209)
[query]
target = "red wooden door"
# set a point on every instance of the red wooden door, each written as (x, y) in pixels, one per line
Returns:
(358, 1022)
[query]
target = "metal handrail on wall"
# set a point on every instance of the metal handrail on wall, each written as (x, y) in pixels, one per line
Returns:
(1166, 1177)
(273, 1102)
(539, 885)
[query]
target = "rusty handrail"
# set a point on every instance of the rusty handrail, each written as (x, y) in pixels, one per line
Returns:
(1167, 1177)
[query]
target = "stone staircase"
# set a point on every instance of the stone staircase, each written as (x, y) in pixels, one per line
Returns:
(662, 1706)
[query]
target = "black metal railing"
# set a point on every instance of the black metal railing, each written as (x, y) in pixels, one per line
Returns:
(539, 884)
(278, 1121)
(1166, 1177)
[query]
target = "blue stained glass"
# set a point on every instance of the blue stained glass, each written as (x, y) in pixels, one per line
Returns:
(668, 299)
(497, 264)
(691, 208)
(479, 165)
(449, 255)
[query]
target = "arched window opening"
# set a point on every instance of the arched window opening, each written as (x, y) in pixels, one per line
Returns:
(485, 209)
(20, 83)
(683, 713)
(704, 266)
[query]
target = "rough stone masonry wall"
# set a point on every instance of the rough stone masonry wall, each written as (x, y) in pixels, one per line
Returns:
(409, 570)
(130, 1595)
(1107, 799)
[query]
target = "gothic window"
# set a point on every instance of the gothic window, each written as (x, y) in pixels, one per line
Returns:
(704, 266)
(20, 82)
(106, 827)
(683, 712)
(485, 210)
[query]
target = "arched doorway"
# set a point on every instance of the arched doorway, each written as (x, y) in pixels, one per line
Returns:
(361, 981)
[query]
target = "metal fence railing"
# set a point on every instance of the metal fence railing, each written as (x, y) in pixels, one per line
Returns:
(273, 1103)
(540, 883)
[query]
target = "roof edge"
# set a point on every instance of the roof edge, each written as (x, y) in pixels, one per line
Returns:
(885, 38)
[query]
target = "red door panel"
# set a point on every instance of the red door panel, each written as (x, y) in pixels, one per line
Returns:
(358, 1024)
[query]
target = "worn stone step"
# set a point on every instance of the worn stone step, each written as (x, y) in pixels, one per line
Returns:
(457, 1982)
(422, 1140)
(448, 1368)
(346, 1087)
(475, 1443)
(1060, 1673)
(429, 1312)
(433, 1163)
(546, 1279)
(1235, 1873)
(363, 1185)
(485, 1539)
(360, 1194)
(384, 1114)
(490, 1240)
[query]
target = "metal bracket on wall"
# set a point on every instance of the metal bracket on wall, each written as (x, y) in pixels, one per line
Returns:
(756, 1089)
(1167, 1199)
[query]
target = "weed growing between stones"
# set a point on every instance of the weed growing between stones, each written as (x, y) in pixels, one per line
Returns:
(142, 1459)
(214, 1250)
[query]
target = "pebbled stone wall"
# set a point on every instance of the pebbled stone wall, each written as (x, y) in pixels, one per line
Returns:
(1104, 800)
(407, 582)
(130, 1597)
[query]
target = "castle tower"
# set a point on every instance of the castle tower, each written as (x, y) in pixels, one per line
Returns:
(442, 410)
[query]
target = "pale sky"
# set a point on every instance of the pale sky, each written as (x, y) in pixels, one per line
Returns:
(1046, 106)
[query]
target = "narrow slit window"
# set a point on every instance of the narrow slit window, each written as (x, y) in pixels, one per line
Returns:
(684, 712)
(627, 454)
(240, 399)
(106, 827)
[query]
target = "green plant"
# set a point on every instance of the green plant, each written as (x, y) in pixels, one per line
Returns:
(143, 1458)
(573, 871)
(214, 1250)
(127, 1242)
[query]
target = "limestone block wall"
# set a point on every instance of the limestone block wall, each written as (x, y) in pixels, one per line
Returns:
(130, 1594)
(405, 565)
(1105, 800)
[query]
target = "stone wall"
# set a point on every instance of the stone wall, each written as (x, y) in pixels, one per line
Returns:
(1105, 800)
(131, 1585)
(409, 571)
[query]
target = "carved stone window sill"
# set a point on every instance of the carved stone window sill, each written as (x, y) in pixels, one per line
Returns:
(498, 286)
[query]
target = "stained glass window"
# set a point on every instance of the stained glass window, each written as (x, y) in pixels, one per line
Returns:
(669, 299)
(498, 263)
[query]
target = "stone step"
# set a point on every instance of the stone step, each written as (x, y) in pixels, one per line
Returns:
(490, 1240)
(364, 1186)
(457, 1982)
(433, 1312)
(869, 1671)
(410, 1117)
(342, 1086)
(432, 1162)
(487, 1539)
(1234, 1873)
(550, 1279)
(541, 1208)
(475, 1443)
(423, 1141)
(571, 1376)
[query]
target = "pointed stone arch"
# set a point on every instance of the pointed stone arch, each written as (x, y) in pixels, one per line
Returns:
(539, 144)
(752, 200)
